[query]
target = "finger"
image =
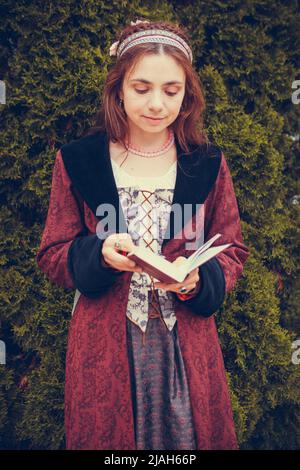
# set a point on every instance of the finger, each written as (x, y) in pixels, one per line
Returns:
(125, 241)
(120, 261)
(193, 276)
(115, 254)
(175, 286)
(172, 287)
(127, 263)
(179, 260)
(188, 287)
(191, 284)
(121, 267)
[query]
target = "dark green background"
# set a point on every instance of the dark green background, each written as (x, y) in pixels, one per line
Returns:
(54, 59)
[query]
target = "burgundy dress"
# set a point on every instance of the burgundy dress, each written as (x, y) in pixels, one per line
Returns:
(117, 394)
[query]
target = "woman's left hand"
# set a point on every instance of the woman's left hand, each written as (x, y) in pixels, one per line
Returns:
(189, 282)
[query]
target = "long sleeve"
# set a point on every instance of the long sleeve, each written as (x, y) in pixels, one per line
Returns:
(67, 255)
(220, 274)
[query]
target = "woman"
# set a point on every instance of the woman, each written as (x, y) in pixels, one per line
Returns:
(144, 367)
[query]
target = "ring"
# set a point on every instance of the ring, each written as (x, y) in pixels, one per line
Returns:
(118, 244)
(183, 289)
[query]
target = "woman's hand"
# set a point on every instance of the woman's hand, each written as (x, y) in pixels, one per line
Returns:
(189, 282)
(112, 258)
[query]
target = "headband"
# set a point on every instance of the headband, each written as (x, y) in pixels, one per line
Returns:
(160, 36)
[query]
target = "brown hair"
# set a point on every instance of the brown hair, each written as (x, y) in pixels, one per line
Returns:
(188, 126)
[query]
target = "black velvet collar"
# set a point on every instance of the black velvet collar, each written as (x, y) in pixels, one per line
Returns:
(88, 164)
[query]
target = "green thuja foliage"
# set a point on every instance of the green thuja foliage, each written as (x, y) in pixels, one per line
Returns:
(54, 62)
(257, 349)
(248, 53)
(54, 59)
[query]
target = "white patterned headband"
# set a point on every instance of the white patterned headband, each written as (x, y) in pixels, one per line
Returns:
(161, 36)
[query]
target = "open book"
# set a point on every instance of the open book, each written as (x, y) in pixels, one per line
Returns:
(165, 271)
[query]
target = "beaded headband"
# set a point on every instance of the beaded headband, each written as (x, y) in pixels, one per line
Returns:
(161, 36)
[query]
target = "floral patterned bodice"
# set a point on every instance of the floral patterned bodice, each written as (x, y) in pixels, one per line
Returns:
(146, 204)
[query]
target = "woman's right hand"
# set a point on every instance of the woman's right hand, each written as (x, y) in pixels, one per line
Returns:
(111, 256)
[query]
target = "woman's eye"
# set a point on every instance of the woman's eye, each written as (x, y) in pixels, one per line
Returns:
(145, 91)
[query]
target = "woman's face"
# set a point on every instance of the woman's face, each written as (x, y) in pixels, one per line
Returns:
(154, 88)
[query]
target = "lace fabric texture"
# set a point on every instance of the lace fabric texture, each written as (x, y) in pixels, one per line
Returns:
(146, 204)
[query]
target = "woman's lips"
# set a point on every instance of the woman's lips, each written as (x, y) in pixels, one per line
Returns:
(154, 120)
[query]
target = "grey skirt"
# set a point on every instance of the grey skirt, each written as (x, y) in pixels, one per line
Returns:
(160, 395)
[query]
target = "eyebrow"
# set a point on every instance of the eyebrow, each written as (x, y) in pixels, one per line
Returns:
(172, 82)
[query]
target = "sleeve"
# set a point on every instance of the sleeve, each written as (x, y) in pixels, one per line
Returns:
(220, 274)
(67, 255)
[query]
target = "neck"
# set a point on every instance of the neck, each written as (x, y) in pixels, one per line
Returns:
(148, 141)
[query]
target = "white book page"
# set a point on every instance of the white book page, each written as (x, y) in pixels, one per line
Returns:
(180, 272)
(203, 248)
(208, 254)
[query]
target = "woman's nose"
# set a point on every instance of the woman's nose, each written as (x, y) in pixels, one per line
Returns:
(155, 101)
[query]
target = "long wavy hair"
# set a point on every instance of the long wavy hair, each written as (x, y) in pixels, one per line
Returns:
(111, 118)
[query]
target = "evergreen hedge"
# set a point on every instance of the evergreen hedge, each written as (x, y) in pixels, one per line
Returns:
(54, 62)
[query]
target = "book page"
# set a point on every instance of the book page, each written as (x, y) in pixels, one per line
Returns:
(154, 264)
(208, 254)
(202, 248)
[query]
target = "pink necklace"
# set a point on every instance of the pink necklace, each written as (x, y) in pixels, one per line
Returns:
(166, 146)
